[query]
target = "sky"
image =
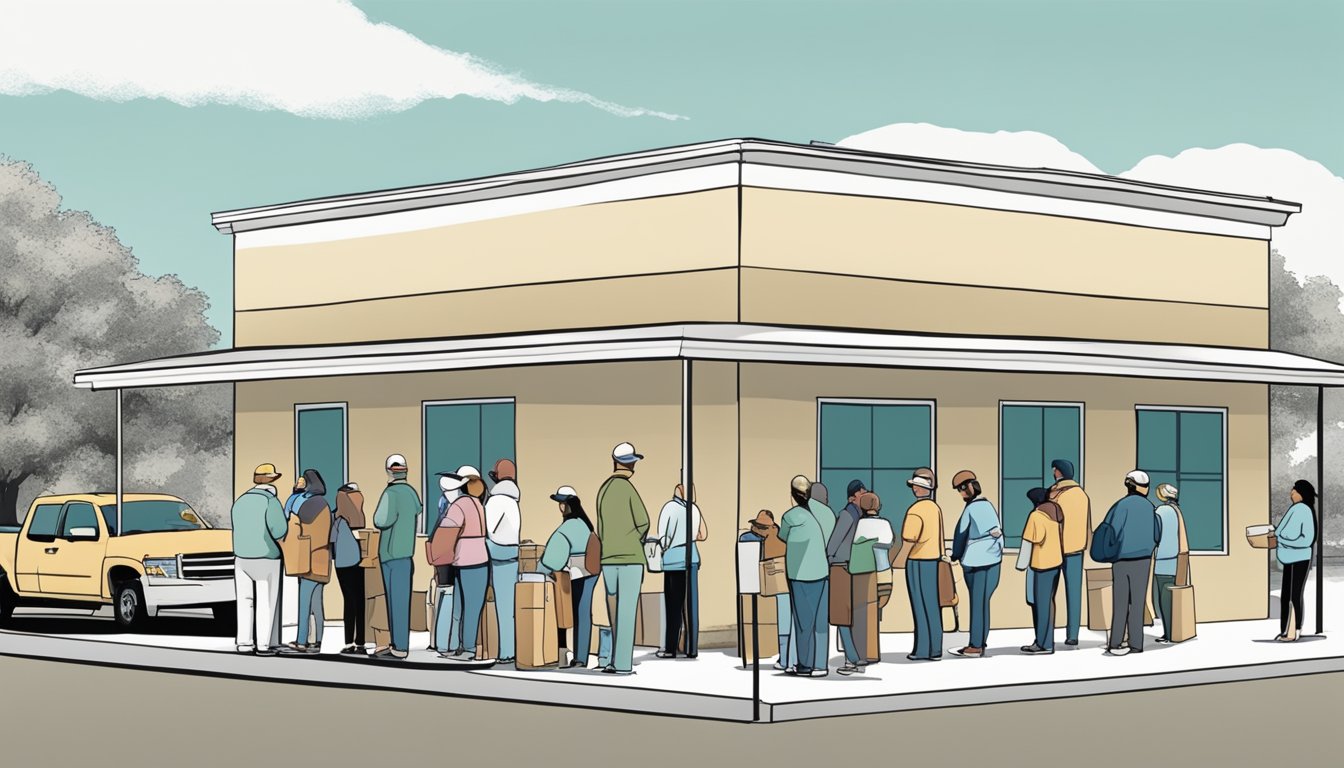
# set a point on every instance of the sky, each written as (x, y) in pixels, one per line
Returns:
(152, 115)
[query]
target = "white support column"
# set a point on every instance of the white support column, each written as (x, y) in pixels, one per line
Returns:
(119, 473)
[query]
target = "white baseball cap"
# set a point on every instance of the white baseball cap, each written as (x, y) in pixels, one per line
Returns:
(563, 493)
(1138, 477)
(451, 481)
(397, 461)
(466, 470)
(625, 454)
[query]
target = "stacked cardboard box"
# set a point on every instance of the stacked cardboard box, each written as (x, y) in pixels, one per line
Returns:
(768, 621)
(649, 620)
(538, 639)
(368, 547)
(487, 642)
(1099, 600)
(529, 557)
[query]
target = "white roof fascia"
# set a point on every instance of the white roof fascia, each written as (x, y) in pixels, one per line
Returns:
(728, 342)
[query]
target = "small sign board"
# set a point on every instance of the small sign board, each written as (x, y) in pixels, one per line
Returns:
(749, 567)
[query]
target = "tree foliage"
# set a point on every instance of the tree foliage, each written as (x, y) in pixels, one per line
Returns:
(72, 296)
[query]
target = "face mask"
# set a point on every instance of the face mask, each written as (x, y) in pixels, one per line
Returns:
(453, 495)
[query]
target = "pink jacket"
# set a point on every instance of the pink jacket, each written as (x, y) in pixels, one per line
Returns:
(468, 514)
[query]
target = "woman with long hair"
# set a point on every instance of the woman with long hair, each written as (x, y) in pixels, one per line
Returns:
(1295, 534)
(565, 551)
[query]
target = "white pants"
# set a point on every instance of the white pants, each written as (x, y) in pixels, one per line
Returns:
(256, 582)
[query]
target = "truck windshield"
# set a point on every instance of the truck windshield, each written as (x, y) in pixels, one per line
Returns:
(154, 516)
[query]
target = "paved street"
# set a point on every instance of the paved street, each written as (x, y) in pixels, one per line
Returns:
(61, 713)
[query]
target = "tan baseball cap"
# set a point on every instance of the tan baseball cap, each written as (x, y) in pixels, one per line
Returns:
(265, 473)
(962, 477)
(801, 484)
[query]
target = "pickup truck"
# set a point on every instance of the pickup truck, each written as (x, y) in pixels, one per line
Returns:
(69, 553)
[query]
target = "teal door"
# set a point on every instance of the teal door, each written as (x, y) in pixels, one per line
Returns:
(1187, 449)
(878, 444)
(1030, 438)
(320, 441)
(463, 433)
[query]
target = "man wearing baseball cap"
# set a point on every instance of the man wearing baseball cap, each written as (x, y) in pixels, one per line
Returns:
(503, 521)
(1077, 509)
(922, 534)
(398, 508)
(977, 543)
(258, 525)
(622, 523)
(1126, 539)
(804, 529)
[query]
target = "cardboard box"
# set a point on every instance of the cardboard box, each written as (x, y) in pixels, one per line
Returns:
(377, 613)
(373, 582)
(382, 638)
(1261, 536)
(538, 638)
(774, 581)
(768, 623)
(368, 546)
(419, 618)
(529, 557)
(1099, 600)
(649, 620)
(487, 641)
(1182, 613)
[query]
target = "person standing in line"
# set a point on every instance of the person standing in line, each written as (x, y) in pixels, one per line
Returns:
(804, 537)
(503, 521)
(457, 643)
(444, 638)
(1077, 510)
(680, 574)
(1126, 539)
(313, 519)
(819, 502)
(1171, 544)
(464, 524)
(346, 556)
(258, 525)
(922, 533)
(395, 516)
(1296, 535)
(1045, 531)
(838, 546)
(566, 550)
(763, 529)
(622, 523)
(870, 534)
(977, 544)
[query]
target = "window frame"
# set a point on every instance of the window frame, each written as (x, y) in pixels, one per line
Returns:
(1082, 445)
(425, 405)
(62, 531)
(929, 402)
(1227, 480)
(345, 435)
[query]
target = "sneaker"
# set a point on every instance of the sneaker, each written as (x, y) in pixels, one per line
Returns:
(798, 672)
(665, 655)
(1035, 649)
(913, 657)
(248, 649)
(819, 673)
(780, 666)
(1072, 642)
(575, 664)
(1121, 651)
(513, 659)
(850, 669)
(266, 652)
(969, 652)
(1162, 641)
(611, 670)
(354, 650)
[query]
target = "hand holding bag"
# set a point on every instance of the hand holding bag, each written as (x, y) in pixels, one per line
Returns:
(653, 555)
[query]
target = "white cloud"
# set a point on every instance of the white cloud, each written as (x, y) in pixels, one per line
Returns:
(1312, 242)
(315, 58)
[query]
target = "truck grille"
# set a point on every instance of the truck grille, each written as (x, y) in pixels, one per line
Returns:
(208, 566)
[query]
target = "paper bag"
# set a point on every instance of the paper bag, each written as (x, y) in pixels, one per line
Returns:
(774, 579)
(1182, 613)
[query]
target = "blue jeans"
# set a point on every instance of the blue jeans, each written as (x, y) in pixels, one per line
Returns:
(981, 581)
(582, 591)
(1073, 593)
(397, 585)
(444, 640)
(1043, 607)
(921, 582)
(310, 602)
(470, 590)
(788, 650)
(503, 576)
(809, 601)
(847, 645)
(623, 585)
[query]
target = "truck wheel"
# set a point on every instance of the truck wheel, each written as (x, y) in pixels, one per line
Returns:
(7, 600)
(226, 618)
(128, 604)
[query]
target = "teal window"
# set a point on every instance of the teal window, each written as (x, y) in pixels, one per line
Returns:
(878, 443)
(1188, 448)
(320, 444)
(457, 433)
(1031, 436)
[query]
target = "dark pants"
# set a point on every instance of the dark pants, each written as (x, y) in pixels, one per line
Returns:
(809, 621)
(1162, 601)
(1044, 585)
(1073, 594)
(1290, 594)
(674, 596)
(921, 582)
(1129, 591)
(581, 598)
(982, 582)
(352, 595)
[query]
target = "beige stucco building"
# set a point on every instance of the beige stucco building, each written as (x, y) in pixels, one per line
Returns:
(837, 314)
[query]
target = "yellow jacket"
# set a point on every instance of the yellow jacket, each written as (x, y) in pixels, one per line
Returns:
(1043, 533)
(924, 529)
(1077, 508)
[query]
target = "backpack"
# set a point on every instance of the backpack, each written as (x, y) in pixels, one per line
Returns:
(592, 555)
(1105, 544)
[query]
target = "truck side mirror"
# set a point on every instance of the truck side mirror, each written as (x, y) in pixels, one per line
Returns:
(82, 534)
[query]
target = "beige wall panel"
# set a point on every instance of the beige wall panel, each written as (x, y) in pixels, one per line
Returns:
(779, 422)
(834, 300)
(567, 420)
(617, 302)
(947, 243)
(680, 232)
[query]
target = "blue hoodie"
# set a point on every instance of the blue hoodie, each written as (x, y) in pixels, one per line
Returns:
(1134, 519)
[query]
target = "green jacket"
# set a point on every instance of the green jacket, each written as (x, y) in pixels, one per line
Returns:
(622, 521)
(804, 533)
(398, 508)
(258, 523)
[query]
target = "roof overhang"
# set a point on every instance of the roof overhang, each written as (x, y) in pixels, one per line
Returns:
(730, 342)
(784, 165)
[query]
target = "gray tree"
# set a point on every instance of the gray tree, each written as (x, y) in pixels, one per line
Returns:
(1305, 319)
(72, 296)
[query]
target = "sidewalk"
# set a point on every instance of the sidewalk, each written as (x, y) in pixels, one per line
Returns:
(715, 686)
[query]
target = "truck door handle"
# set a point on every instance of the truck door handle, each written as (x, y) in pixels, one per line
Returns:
(50, 550)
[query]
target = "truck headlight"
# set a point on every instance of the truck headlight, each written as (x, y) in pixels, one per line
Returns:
(161, 566)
